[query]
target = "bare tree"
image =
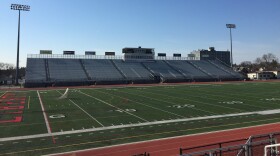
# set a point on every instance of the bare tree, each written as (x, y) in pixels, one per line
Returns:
(6, 66)
(268, 58)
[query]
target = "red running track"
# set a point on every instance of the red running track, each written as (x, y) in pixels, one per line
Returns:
(170, 146)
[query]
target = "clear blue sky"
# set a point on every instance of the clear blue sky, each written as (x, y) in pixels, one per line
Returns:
(169, 26)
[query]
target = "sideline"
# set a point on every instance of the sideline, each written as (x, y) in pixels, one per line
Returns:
(136, 125)
(45, 117)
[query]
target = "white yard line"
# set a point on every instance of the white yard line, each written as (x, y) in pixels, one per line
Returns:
(194, 101)
(172, 103)
(136, 125)
(44, 113)
(87, 113)
(84, 111)
(143, 104)
(113, 106)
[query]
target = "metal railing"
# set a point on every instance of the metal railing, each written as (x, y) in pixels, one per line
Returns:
(61, 56)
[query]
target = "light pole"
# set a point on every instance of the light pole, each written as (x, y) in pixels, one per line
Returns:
(19, 8)
(230, 26)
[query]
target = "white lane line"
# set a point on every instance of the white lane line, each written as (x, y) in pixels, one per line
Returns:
(113, 106)
(44, 113)
(87, 113)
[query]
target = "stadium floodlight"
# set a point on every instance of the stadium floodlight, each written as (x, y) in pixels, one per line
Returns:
(231, 26)
(19, 7)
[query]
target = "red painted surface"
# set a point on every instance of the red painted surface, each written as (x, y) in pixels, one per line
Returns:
(170, 147)
(11, 107)
(11, 104)
(16, 119)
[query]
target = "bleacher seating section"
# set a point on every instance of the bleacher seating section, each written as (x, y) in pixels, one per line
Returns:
(36, 71)
(66, 70)
(61, 71)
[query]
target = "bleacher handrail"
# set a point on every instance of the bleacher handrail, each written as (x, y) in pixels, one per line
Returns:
(117, 57)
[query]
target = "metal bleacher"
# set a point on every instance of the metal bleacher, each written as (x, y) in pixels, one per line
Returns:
(88, 71)
(102, 69)
(163, 69)
(211, 69)
(66, 70)
(35, 70)
(188, 69)
(133, 70)
(226, 68)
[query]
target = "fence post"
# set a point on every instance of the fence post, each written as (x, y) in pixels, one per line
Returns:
(271, 141)
(181, 151)
(220, 145)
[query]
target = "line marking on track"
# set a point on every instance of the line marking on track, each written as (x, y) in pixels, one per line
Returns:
(28, 101)
(113, 106)
(45, 117)
(85, 143)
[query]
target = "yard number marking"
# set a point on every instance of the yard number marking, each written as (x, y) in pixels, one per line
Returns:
(232, 102)
(57, 116)
(272, 99)
(182, 106)
(123, 110)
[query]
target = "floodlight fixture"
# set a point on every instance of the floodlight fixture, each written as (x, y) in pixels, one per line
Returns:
(19, 7)
(231, 26)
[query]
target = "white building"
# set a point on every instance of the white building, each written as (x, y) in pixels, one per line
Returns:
(264, 75)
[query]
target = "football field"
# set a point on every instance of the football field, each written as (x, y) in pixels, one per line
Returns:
(35, 122)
